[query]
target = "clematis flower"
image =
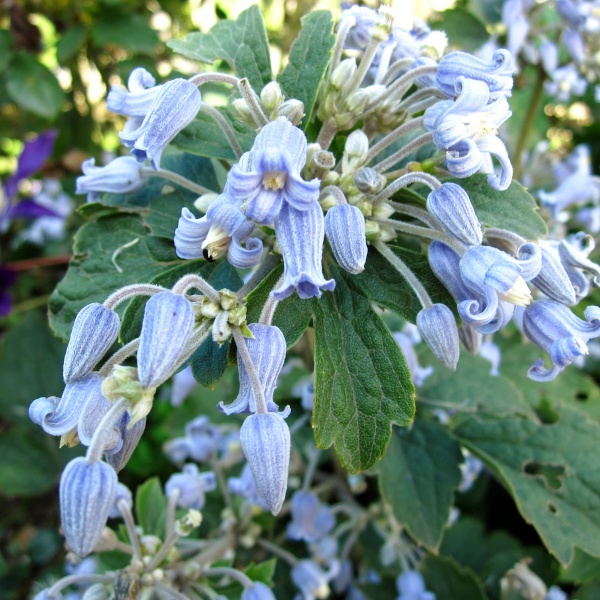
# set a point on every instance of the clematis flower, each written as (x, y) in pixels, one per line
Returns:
(566, 81)
(120, 176)
(497, 283)
(300, 235)
(278, 154)
(564, 336)
(497, 75)
(466, 128)
(223, 230)
(313, 581)
(173, 108)
(191, 485)
(311, 519)
(137, 100)
(410, 586)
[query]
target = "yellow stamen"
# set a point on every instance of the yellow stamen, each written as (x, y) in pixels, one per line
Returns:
(519, 293)
(274, 180)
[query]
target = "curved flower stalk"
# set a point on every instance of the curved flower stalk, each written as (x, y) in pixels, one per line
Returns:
(467, 128)
(223, 230)
(278, 154)
(555, 329)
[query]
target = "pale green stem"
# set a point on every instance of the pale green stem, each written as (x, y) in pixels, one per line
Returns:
(418, 107)
(399, 65)
(424, 232)
(195, 281)
(338, 48)
(77, 579)
(170, 593)
(180, 180)
(257, 390)
(365, 62)
(310, 469)
(119, 356)
(228, 572)
(225, 127)
(129, 291)
(253, 102)
(416, 177)
(270, 306)
(417, 213)
(104, 430)
(269, 263)
(218, 471)
(130, 525)
(408, 275)
(391, 137)
(162, 553)
(328, 130)
(418, 96)
(203, 78)
(415, 144)
(336, 192)
(171, 508)
(278, 551)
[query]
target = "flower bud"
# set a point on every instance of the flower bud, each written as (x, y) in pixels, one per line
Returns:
(243, 113)
(221, 329)
(292, 110)
(94, 331)
(343, 73)
(345, 230)
(265, 439)
(451, 206)
(271, 97)
(369, 181)
(167, 326)
(438, 327)
(357, 145)
(258, 591)
(130, 436)
(87, 490)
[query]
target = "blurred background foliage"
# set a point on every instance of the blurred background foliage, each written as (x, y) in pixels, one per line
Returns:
(58, 58)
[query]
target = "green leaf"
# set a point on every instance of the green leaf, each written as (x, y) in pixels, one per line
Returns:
(159, 201)
(464, 30)
(33, 87)
(30, 366)
(362, 383)
(449, 581)
(130, 32)
(548, 471)
(70, 43)
(309, 56)
(292, 316)
(150, 507)
(205, 138)
(6, 42)
(513, 209)
(30, 463)
(210, 362)
(417, 478)
(263, 571)
(573, 388)
(95, 271)
(242, 43)
(471, 389)
(582, 568)
(381, 283)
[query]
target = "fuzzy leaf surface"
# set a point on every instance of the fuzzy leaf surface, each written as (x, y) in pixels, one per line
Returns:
(546, 467)
(362, 382)
(417, 478)
(513, 209)
(242, 43)
(309, 57)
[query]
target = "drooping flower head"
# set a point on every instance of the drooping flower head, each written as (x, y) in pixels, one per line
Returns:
(564, 336)
(273, 178)
(466, 128)
(120, 176)
(173, 108)
(311, 519)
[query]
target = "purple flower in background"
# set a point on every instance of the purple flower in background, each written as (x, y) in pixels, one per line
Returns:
(566, 81)
(8, 277)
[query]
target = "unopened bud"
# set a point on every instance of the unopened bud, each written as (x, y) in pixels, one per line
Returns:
(189, 522)
(228, 299)
(357, 101)
(271, 97)
(243, 112)
(204, 201)
(357, 144)
(293, 110)
(221, 329)
(369, 181)
(209, 309)
(383, 211)
(237, 315)
(324, 159)
(343, 73)
(371, 230)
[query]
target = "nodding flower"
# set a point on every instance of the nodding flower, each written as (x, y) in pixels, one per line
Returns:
(564, 336)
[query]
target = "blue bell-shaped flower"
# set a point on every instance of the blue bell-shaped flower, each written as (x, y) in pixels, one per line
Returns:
(345, 230)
